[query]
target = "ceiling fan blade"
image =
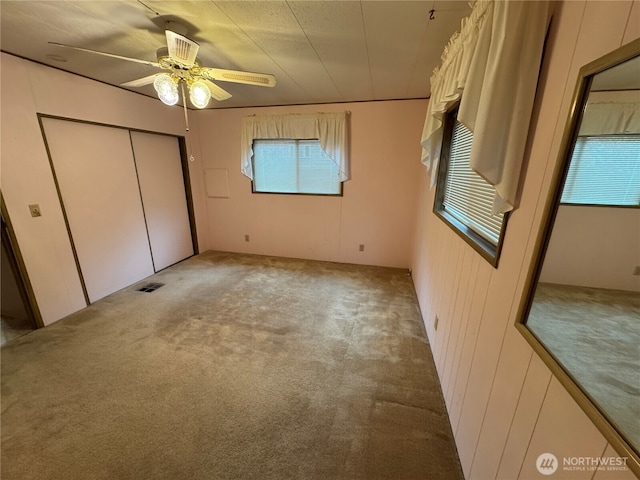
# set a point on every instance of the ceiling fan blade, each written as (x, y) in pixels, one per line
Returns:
(140, 82)
(250, 78)
(119, 57)
(217, 93)
(181, 49)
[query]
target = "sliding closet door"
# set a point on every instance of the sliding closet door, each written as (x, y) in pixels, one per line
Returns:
(96, 176)
(163, 195)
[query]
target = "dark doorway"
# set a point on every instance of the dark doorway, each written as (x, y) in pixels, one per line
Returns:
(17, 315)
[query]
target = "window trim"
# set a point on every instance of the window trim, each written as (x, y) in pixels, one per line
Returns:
(488, 251)
(258, 192)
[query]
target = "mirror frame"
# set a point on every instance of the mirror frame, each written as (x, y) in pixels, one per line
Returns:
(617, 440)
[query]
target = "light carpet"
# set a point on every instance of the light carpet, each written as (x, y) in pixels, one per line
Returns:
(595, 334)
(239, 367)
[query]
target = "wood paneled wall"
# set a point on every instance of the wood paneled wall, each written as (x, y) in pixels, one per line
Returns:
(505, 406)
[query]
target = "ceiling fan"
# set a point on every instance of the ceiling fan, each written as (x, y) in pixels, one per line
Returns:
(180, 63)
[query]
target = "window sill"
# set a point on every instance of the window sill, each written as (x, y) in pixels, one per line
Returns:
(488, 251)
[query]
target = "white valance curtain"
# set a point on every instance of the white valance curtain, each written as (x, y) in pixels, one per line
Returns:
(612, 113)
(491, 66)
(329, 128)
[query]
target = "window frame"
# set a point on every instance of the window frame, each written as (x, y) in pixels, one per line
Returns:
(253, 166)
(488, 251)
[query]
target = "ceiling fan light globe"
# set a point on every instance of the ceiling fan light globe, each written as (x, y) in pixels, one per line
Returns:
(167, 89)
(163, 82)
(199, 94)
(169, 98)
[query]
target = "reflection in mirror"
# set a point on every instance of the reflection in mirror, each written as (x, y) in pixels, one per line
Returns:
(585, 308)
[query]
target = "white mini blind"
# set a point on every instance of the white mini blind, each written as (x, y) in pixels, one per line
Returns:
(294, 166)
(467, 196)
(604, 170)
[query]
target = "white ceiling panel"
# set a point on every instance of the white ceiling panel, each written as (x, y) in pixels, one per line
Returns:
(274, 27)
(446, 21)
(395, 31)
(319, 51)
(344, 53)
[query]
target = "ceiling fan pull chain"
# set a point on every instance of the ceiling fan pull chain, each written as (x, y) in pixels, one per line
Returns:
(184, 104)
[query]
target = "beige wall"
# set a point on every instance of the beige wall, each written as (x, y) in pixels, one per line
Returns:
(505, 406)
(28, 89)
(377, 208)
(594, 247)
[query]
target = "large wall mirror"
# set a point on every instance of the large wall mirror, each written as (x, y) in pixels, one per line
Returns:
(581, 311)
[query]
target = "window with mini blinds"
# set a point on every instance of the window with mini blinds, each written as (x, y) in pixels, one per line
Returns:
(294, 166)
(605, 170)
(464, 199)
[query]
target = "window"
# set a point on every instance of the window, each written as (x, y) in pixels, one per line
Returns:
(294, 166)
(464, 200)
(604, 170)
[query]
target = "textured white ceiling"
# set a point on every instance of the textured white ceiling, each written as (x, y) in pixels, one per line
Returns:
(319, 51)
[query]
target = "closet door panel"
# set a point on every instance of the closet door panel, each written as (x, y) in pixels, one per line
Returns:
(162, 188)
(96, 177)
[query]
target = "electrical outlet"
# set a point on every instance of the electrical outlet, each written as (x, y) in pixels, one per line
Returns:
(361, 248)
(637, 270)
(246, 237)
(435, 323)
(35, 210)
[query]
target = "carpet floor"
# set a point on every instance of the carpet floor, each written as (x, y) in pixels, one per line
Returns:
(595, 334)
(238, 367)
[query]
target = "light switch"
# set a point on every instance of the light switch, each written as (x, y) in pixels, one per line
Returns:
(35, 210)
